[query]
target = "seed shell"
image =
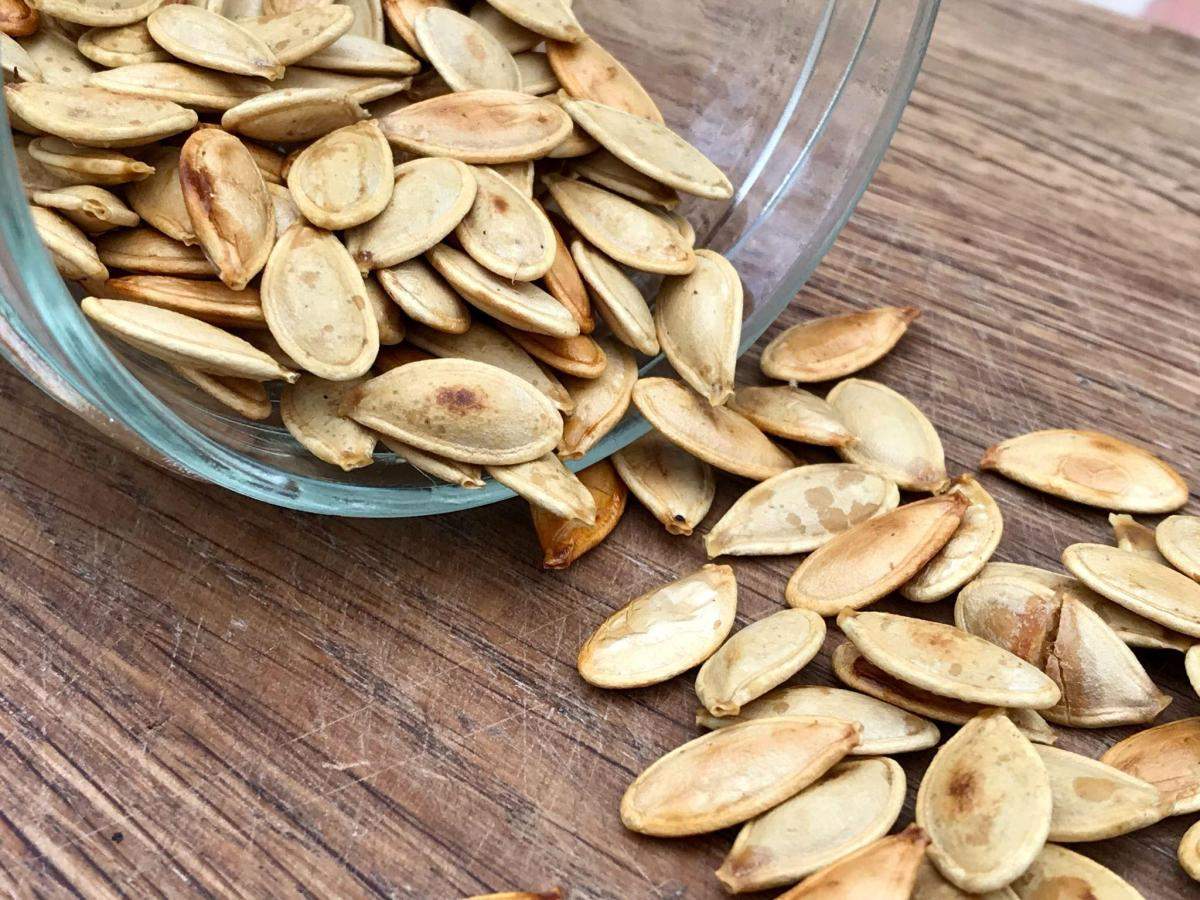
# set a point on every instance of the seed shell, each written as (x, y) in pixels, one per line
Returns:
(387, 315)
(293, 114)
(1167, 756)
(513, 37)
(505, 231)
(96, 117)
(1018, 614)
(549, 18)
(792, 413)
(579, 356)
(439, 468)
(17, 64)
(91, 209)
(124, 45)
(465, 53)
(17, 18)
(966, 553)
(294, 36)
(57, 58)
(537, 77)
(600, 403)
(368, 19)
(87, 165)
(520, 175)
(734, 774)
(1089, 467)
(1141, 585)
(675, 486)
(402, 14)
(884, 870)
(1057, 870)
(424, 296)
(209, 301)
(158, 199)
(72, 253)
(310, 411)
(1189, 852)
(1131, 535)
(606, 170)
(112, 12)
(345, 178)
(932, 886)
(1092, 801)
(359, 88)
(187, 85)
(662, 633)
(564, 541)
(620, 303)
(835, 346)
(875, 557)
(198, 35)
(358, 55)
(247, 398)
(564, 282)
(1191, 662)
(548, 484)
(986, 780)
(1178, 540)
(589, 72)
(150, 251)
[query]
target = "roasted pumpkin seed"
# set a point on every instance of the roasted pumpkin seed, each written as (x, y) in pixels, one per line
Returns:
(151, 251)
(387, 314)
(884, 870)
(835, 346)
(293, 114)
(1131, 535)
(1057, 871)
(192, 86)
(564, 541)
(158, 199)
(932, 886)
(358, 55)
(394, 357)
(789, 412)
(1139, 584)
(505, 231)
(72, 253)
(547, 483)
(112, 12)
(345, 178)
(966, 553)
(294, 36)
(96, 117)
(549, 18)
(519, 175)
(579, 356)
(17, 18)
(589, 72)
(424, 296)
(606, 170)
(57, 58)
(368, 19)
(1189, 852)
(537, 77)
(205, 38)
(359, 88)
(1092, 801)
(283, 207)
(564, 282)
(620, 303)
(600, 403)
(209, 301)
(17, 64)
(310, 410)
(1167, 756)
(578, 142)
(675, 486)
(125, 45)
(87, 165)
(1178, 540)
(464, 53)
(1191, 662)
(513, 37)
(462, 474)
(91, 209)
(247, 398)
(402, 14)
(1018, 614)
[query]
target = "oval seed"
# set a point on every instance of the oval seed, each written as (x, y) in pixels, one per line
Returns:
(519, 175)
(35, 175)
(966, 553)
(247, 398)
(358, 55)
(87, 165)
(716, 435)
(625, 231)
(801, 509)
(562, 280)
(578, 142)
(513, 37)
(548, 484)
(368, 19)
(92, 209)
(835, 346)
(564, 541)
(932, 886)
(1189, 852)
(424, 296)
(519, 304)
(197, 35)
(761, 656)
(182, 340)
(988, 780)
(1089, 467)
(387, 315)
(464, 53)
(125, 45)
(893, 436)
(537, 77)
(698, 319)
(209, 301)
(83, 12)
(606, 170)
(57, 58)
(158, 199)
(359, 88)
(460, 409)
(18, 19)
(402, 14)
(875, 557)
(18, 65)
(462, 474)
(481, 127)
(1131, 535)
(429, 199)
(72, 253)
(283, 207)
(579, 356)
(947, 661)
(1057, 869)
(885, 728)
(600, 403)
(734, 774)
(1018, 614)
(310, 410)
(151, 251)
(1141, 585)
(505, 231)
(621, 304)
(95, 117)
(1092, 801)
(1178, 540)
(663, 632)
(180, 83)
(677, 488)
(852, 806)
(549, 18)
(791, 413)
(1167, 756)
(315, 304)
(589, 72)
(345, 178)
(295, 36)
(884, 870)
(293, 114)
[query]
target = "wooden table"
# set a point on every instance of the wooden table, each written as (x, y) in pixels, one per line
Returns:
(201, 694)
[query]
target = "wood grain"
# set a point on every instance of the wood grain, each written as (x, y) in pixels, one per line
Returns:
(204, 695)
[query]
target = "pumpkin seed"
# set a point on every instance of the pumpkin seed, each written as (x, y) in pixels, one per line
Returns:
(564, 282)
(315, 304)
(1167, 756)
(84, 12)
(460, 409)
(429, 199)
(18, 19)
(835, 346)
(1052, 580)
(357, 55)
(33, 174)
(885, 728)
(716, 435)
(589, 72)
(600, 403)
(394, 357)
(205, 38)
(1178, 540)
(310, 411)
(1191, 661)
(368, 19)
(209, 301)
(424, 296)
(677, 488)
(387, 315)
(283, 207)
(679, 223)
(92, 209)
(549, 18)
(343, 179)
(698, 318)
(125, 45)
(875, 557)
(182, 340)
(536, 76)
(158, 199)
(87, 165)
(520, 176)
(72, 253)
(893, 436)
(402, 14)
(801, 509)
(792, 413)
(57, 58)
(1092, 801)
(513, 37)
(606, 170)
(295, 36)
(932, 886)
(482, 127)
(620, 303)
(1018, 614)
(884, 870)
(293, 114)
(966, 553)
(242, 395)
(1140, 585)
(1189, 852)
(519, 304)
(464, 53)
(18, 65)
(261, 339)
(756, 659)
(734, 774)
(96, 117)
(483, 343)
(359, 88)
(579, 356)
(1057, 870)
(947, 661)
(986, 780)
(505, 231)
(150, 251)
(1131, 535)
(1091, 468)
(628, 233)
(180, 83)
(548, 484)
(462, 474)
(578, 142)
(852, 806)
(228, 203)
(564, 541)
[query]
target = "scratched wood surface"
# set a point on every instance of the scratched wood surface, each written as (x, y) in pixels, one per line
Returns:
(203, 695)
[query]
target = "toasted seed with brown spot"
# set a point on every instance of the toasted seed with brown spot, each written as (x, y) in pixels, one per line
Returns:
(967, 552)
(675, 486)
(589, 72)
(57, 57)
(1018, 614)
(402, 14)
(72, 253)
(1089, 467)
(620, 303)
(205, 38)
(343, 179)
(1092, 801)
(1167, 756)
(835, 346)
(579, 355)
(547, 483)
(884, 870)
(600, 403)
(465, 53)
(424, 296)
(1057, 869)
(987, 779)
(563, 281)
(293, 114)
(310, 410)
(1178, 540)
(734, 774)
(18, 18)
(564, 541)
(792, 413)
(209, 301)
(151, 251)
(96, 117)
(1131, 535)
(505, 231)
(1139, 584)
(247, 398)
(1189, 852)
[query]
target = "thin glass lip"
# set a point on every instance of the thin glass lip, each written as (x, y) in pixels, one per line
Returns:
(101, 380)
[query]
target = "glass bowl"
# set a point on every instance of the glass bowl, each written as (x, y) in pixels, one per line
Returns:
(797, 102)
